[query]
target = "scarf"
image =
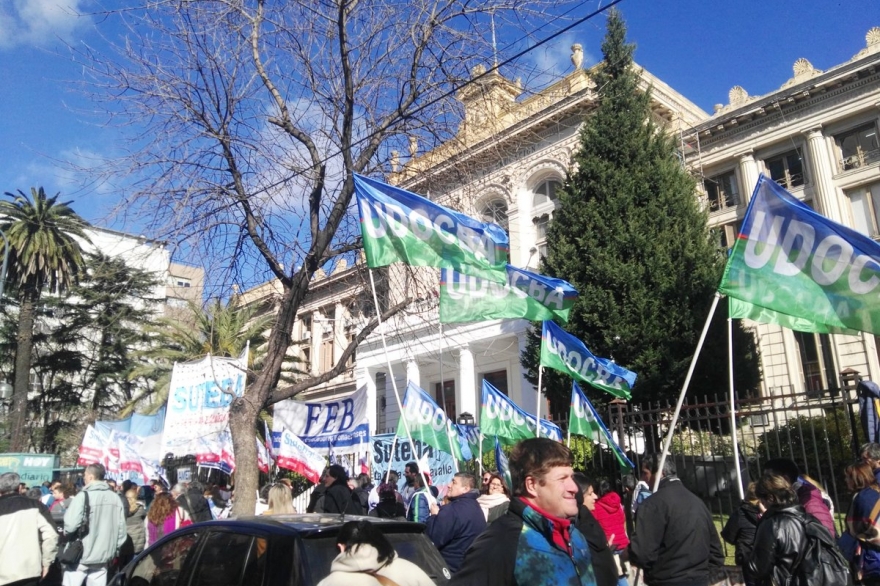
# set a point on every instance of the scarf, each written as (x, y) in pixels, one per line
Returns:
(561, 532)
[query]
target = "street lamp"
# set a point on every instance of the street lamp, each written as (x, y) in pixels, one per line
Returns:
(5, 390)
(465, 419)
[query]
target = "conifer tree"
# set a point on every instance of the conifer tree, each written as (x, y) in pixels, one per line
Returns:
(629, 234)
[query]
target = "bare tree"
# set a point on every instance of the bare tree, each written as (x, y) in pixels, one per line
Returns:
(252, 115)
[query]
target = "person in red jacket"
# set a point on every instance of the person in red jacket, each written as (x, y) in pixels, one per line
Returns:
(609, 513)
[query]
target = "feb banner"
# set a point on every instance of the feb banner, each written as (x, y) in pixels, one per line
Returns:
(440, 465)
(792, 260)
(563, 352)
(399, 226)
(341, 423)
(502, 418)
(294, 454)
(428, 422)
(526, 295)
(198, 402)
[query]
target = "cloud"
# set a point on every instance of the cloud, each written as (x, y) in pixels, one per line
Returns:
(39, 22)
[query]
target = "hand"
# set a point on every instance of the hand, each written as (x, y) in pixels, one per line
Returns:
(434, 508)
(45, 571)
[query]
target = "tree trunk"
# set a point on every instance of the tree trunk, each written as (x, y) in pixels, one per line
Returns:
(24, 348)
(242, 423)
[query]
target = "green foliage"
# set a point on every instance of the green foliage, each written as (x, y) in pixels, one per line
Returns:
(85, 349)
(631, 238)
(821, 445)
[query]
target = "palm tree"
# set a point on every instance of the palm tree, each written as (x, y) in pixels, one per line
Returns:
(219, 330)
(43, 254)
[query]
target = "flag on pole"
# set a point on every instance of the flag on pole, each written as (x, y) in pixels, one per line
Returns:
(526, 295)
(502, 418)
(801, 266)
(295, 455)
(563, 352)
(584, 420)
(427, 422)
(399, 226)
(502, 465)
(262, 457)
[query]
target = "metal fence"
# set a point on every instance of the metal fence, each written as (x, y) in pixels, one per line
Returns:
(816, 431)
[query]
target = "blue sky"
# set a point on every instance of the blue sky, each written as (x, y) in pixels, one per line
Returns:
(701, 48)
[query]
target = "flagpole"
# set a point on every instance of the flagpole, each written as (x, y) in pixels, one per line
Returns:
(538, 410)
(443, 398)
(391, 458)
(480, 460)
(393, 379)
(739, 479)
(684, 388)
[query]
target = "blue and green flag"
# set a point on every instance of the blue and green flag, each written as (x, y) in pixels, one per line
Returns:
(800, 269)
(399, 226)
(526, 295)
(584, 420)
(428, 422)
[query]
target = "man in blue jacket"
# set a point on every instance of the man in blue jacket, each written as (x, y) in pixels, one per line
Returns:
(454, 526)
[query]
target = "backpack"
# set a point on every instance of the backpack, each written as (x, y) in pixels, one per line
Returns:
(821, 563)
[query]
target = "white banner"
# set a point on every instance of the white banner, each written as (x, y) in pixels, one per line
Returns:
(198, 402)
(294, 454)
(340, 424)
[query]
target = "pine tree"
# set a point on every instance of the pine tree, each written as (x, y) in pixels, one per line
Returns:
(630, 236)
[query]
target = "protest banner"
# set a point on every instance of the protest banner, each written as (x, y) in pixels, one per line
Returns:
(440, 464)
(341, 423)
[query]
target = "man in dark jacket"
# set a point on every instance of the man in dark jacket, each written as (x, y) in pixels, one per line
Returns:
(193, 501)
(535, 543)
(454, 526)
(675, 542)
(338, 498)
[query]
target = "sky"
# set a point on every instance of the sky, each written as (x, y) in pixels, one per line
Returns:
(701, 48)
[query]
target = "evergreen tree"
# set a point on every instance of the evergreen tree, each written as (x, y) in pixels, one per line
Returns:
(630, 236)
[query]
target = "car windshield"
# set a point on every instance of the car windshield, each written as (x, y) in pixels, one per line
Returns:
(320, 551)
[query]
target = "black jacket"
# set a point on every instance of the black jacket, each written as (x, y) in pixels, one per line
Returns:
(603, 558)
(339, 499)
(779, 541)
(195, 504)
(740, 532)
(675, 541)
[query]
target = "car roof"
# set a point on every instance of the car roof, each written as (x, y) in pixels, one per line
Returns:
(312, 524)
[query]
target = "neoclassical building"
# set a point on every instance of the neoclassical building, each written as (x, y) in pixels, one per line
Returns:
(816, 135)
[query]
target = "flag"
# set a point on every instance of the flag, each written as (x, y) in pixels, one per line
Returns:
(397, 225)
(526, 295)
(294, 455)
(270, 447)
(739, 309)
(501, 464)
(584, 420)
(364, 464)
(427, 422)
(501, 417)
(563, 352)
(262, 457)
(792, 260)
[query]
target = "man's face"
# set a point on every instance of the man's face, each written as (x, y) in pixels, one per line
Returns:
(409, 475)
(556, 492)
(457, 488)
(874, 464)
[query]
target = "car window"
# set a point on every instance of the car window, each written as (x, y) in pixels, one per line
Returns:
(231, 559)
(415, 547)
(164, 564)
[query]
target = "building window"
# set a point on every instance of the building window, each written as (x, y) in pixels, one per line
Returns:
(497, 379)
(817, 362)
(546, 191)
(381, 402)
(722, 191)
(787, 169)
(724, 236)
(865, 205)
(307, 359)
(858, 147)
(449, 402)
(495, 211)
(327, 362)
(306, 326)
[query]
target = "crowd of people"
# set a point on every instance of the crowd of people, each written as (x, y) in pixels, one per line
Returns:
(545, 525)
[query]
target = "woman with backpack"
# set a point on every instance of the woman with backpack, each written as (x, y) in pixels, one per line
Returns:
(861, 541)
(791, 547)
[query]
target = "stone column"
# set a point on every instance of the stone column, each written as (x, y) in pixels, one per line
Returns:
(820, 175)
(466, 394)
(412, 374)
(748, 172)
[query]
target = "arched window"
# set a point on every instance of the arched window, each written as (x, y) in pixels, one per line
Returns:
(495, 211)
(546, 191)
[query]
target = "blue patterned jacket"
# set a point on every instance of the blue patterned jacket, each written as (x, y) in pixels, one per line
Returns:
(517, 550)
